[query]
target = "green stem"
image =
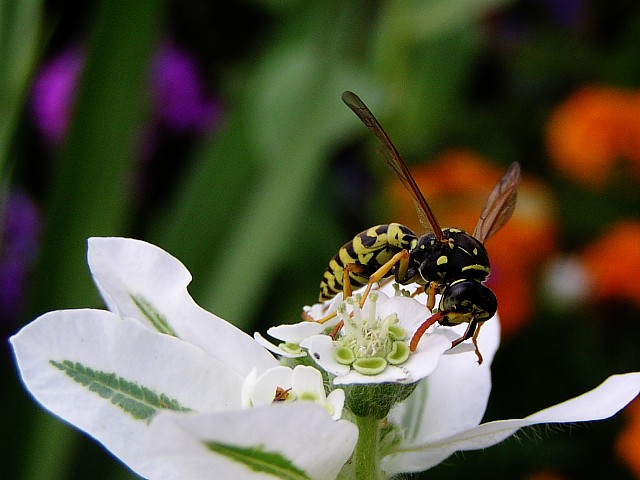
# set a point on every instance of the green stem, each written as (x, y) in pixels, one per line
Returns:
(367, 453)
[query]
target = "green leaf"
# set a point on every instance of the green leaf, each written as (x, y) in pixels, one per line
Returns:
(159, 322)
(407, 22)
(20, 22)
(259, 460)
(140, 402)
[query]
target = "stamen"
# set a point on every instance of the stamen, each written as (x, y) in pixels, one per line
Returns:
(370, 342)
(373, 298)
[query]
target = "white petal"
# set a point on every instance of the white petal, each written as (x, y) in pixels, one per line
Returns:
(130, 272)
(274, 348)
(321, 349)
(391, 373)
(600, 403)
(458, 379)
(296, 332)
(452, 399)
(320, 310)
(336, 400)
(308, 379)
(302, 433)
(247, 388)
(425, 360)
(104, 342)
(265, 387)
(411, 313)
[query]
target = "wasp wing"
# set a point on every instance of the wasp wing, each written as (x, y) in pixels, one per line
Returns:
(395, 162)
(500, 205)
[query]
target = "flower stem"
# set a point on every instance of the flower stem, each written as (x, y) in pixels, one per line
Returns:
(367, 453)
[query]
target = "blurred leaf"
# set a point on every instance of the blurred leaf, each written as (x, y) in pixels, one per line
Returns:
(419, 19)
(298, 115)
(210, 199)
(20, 22)
(425, 53)
(254, 182)
(93, 182)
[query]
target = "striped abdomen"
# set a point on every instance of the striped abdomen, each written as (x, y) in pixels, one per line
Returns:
(370, 249)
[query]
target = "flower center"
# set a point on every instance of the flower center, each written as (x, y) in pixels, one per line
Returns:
(369, 342)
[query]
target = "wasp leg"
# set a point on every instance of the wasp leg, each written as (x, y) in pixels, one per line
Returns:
(334, 331)
(472, 332)
(308, 318)
(347, 291)
(346, 279)
(475, 344)
(418, 291)
(471, 328)
(401, 258)
(413, 345)
(434, 287)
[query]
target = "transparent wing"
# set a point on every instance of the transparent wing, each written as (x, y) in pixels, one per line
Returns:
(395, 162)
(500, 205)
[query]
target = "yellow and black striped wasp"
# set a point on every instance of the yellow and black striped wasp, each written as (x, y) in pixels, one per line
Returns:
(445, 261)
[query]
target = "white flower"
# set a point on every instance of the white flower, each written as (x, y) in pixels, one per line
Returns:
(176, 392)
(372, 346)
(111, 373)
(284, 384)
(292, 335)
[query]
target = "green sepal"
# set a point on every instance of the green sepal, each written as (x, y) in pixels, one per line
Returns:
(375, 399)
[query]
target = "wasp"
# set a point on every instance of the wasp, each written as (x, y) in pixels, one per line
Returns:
(445, 261)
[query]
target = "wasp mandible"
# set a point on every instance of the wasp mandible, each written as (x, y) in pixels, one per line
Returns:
(445, 261)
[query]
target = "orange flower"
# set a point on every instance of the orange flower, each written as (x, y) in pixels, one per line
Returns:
(545, 475)
(613, 263)
(628, 444)
(591, 130)
(456, 186)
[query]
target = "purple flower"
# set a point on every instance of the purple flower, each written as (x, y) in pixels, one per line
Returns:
(20, 229)
(567, 13)
(179, 100)
(53, 94)
(179, 96)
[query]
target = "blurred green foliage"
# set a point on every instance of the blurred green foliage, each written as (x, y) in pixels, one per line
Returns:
(257, 208)
(20, 30)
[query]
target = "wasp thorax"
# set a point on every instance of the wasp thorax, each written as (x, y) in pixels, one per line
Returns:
(464, 300)
(462, 256)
